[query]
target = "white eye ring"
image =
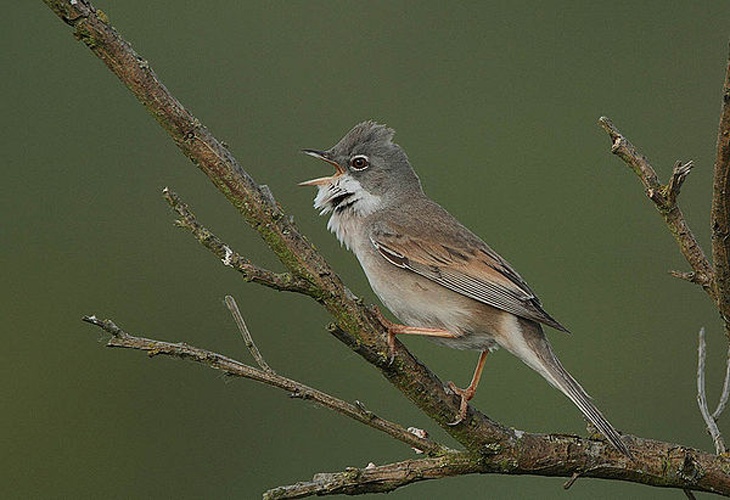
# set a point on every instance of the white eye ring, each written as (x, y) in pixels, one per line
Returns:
(359, 162)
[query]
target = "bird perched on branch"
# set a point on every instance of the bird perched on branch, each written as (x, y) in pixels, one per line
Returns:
(434, 274)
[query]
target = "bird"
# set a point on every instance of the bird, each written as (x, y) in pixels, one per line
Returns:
(435, 275)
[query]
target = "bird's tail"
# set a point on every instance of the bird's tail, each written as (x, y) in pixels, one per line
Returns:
(535, 351)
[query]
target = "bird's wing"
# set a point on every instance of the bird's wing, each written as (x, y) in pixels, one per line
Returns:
(469, 268)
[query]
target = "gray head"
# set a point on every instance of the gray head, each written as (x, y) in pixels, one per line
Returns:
(369, 167)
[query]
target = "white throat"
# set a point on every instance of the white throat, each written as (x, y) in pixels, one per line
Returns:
(349, 203)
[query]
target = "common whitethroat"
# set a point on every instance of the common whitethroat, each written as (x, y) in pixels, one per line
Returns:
(434, 274)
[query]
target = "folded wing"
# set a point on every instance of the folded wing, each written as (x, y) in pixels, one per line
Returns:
(473, 270)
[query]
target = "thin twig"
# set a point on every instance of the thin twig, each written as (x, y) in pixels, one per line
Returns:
(120, 338)
(570, 482)
(686, 276)
(689, 494)
(664, 198)
(246, 334)
(725, 390)
(679, 175)
(702, 396)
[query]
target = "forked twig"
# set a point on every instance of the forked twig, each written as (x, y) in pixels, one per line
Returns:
(710, 419)
(120, 338)
(725, 390)
(679, 175)
(665, 200)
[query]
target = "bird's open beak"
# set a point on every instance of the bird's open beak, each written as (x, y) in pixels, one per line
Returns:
(322, 155)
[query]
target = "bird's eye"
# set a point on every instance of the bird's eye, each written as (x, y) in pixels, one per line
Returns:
(359, 162)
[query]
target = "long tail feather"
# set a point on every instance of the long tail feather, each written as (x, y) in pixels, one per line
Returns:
(535, 351)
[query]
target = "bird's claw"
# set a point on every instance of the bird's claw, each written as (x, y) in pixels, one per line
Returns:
(391, 348)
(465, 395)
(390, 336)
(455, 422)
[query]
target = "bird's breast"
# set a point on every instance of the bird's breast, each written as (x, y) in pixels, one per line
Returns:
(413, 299)
(346, 226)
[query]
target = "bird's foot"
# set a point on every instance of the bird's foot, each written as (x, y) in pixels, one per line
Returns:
(392, 332)
(466, 395)
(391, 347)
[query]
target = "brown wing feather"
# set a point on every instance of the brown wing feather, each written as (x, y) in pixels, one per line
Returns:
(469, 268)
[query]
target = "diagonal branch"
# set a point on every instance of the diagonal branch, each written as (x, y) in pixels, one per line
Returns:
(120, 338)
(278, 281)
(246, 334)
(355, 325)
(665, 200)
(679, 175)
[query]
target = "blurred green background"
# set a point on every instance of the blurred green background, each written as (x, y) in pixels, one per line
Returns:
(496, 104)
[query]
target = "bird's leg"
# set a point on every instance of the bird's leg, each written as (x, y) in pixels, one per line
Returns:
(468, 393)
(398, 329)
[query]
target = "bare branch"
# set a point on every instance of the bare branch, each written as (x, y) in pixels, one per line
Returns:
(664, 198)
(120, 338)
(725, 390)
(679, 175)
(627, 152)
(379, 479)
(230, 258)
(692, 277)
(720, 214)
(246, 334)
(570, 482)
(355, 325)
(702, 396)
(655, 463)
(382, 479)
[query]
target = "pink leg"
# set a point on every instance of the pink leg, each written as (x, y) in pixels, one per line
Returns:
(468, 393)
(398, 329)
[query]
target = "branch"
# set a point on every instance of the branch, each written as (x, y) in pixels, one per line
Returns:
(386, 478)
(379, 479)
(679, 175)
(665, 200)
(253, 201)
(120, 338)
(278, 281)
(691, 276)
(725, 390)
(720, 214)
(656, 463)
(710, 420)
(246, 334)
(355, 325)
(715, 281)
